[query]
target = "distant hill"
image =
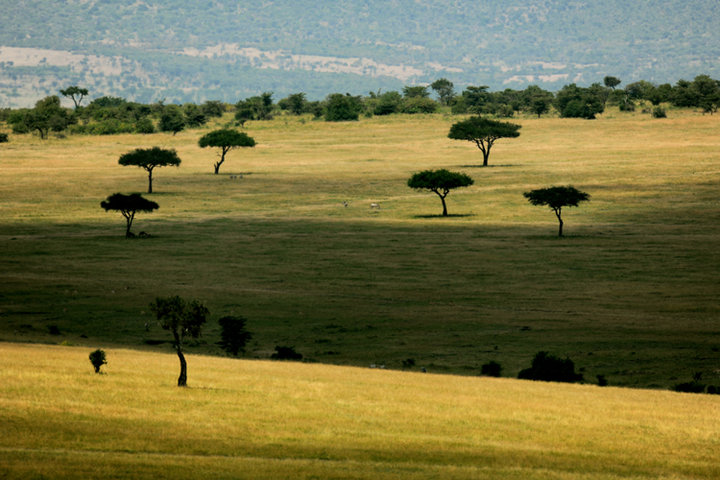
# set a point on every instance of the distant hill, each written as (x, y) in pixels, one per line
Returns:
(184, 50)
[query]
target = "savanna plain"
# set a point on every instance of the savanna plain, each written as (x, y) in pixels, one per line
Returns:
(630, 293)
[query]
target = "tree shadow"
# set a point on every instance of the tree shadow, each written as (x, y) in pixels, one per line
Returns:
(450, 215)
(489, 166)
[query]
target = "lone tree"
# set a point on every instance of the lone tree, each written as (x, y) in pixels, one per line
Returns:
(483, 132)
(97, 358)
(183, 319)
(74, 91)
(226, 140)
(128, 205)
(556, 198)
(233, 335)
(149, 158)
(440, 182)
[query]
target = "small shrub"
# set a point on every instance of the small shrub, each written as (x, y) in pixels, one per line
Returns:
(286, 353)
(550, 368)
(491, 369)
(97, 358)
(713, 390)
(602, 381)
(144, 125)
(53, 330)
(659, 112)
(3, 137)
(408, 363)
(627, 106)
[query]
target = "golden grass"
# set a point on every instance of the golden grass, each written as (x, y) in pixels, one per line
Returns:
(630, 294)
(259, 419)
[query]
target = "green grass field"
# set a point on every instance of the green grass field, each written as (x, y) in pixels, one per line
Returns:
(631, 293)
(245, 419)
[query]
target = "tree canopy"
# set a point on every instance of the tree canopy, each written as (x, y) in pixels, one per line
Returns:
(183, 319)
(149, 158)
(75, 93)
(556, 198)
(47, 115)
(440, 182)
(226, 140)
(128, 205)
(483, 132)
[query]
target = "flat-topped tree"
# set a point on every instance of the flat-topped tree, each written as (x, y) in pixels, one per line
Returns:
(483, 132)
(149, 158)
(225, 140)
(556, 198)
(74, 91)
(128, 205)
(440, 182)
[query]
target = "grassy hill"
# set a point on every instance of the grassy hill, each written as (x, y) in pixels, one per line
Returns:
(265, 420)
(630, 294)
(184, 51)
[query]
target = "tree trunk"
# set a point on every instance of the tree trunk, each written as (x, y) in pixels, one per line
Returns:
(128, 221)
(182, 379)
(558, 213)
(149, 181)
(445, 214)
(222, 159)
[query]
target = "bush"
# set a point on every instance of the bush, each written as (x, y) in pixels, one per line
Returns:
(144, 125)
(659, 112)
(3, 137)
(340, 107)
(690, 387)
(491, 369)
(418, 105)
(233, 335)
(550, 368)
(97, 358)
(53, 330)
(627, 106)
(286, 353)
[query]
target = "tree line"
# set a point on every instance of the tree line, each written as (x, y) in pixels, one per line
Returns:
(112, 115)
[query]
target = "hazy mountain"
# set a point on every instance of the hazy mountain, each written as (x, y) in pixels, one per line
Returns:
(184, 50)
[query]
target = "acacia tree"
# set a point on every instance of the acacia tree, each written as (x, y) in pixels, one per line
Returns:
(128, 205)
(183, 319)
(483, 132)
(226, 140)
(556, 198)
(72, 91)
(149, 158)
(440, 182)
